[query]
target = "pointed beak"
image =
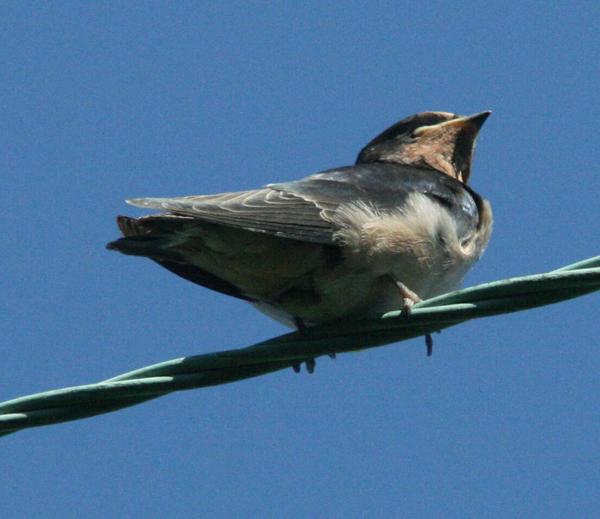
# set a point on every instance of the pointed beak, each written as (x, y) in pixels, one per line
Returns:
(469, 122)
(477, 120)
(474, 121)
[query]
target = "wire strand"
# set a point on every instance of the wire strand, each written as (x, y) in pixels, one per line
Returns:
(147, 383)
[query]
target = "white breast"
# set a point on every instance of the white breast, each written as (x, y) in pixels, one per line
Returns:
(418, 244)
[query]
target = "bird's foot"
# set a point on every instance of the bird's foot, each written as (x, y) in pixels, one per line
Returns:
(310, 366)
(409, 298)
(429, 344)
(310, 363)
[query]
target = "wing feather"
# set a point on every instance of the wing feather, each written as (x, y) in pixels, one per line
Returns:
(301, 209)
(263, 210)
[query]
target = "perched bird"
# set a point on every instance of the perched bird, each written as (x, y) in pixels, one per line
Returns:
(352, 242)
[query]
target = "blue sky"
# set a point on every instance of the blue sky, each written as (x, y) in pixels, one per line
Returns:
(105, 101)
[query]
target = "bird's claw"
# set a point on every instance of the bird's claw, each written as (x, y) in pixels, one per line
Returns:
(409, 298)
(310, 364)
(407, 305)
(429, 344)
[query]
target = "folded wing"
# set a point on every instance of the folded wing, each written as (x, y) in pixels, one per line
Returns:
(302, 209)
(265, 210)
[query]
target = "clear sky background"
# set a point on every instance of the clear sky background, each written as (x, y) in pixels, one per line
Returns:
(101, 101)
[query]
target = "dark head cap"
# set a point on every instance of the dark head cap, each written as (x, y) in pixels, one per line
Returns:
(433, 140)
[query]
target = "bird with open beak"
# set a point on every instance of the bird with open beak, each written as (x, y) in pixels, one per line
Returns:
(351, 242)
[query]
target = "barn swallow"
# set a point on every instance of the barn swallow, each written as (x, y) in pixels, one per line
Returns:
(398, 226)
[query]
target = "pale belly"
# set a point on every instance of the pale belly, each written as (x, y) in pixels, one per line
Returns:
(355, 295)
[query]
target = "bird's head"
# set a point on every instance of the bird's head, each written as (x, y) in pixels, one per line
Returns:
(433, 140)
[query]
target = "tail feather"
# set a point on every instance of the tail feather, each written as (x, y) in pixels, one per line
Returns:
(151, 246)
(147, 236)
(151, 225)
(154, 237)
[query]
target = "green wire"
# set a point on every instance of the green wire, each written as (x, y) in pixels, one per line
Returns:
(141, 385)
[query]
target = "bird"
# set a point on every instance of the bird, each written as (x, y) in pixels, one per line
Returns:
(400, 225)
